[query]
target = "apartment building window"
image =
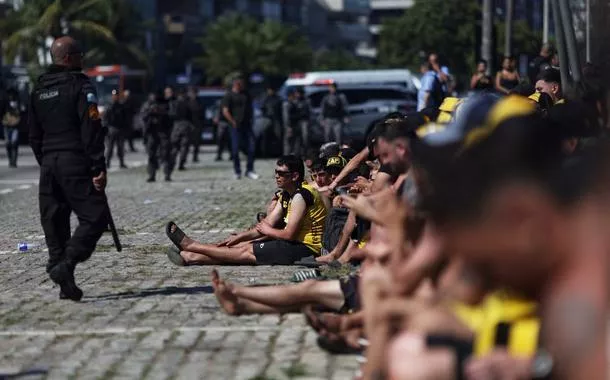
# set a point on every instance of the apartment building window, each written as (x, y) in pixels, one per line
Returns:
(206, 9)
(272, 10)
(242, 5)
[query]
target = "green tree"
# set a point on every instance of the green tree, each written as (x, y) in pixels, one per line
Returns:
(339, 59)
(239, 43)
(446, 27)
(525, 40)
(93, 22)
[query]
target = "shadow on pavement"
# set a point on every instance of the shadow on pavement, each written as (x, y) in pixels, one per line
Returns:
(23, 374)
(165, 291)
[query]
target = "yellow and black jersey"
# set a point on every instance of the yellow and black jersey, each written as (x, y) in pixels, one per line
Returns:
(502, 319)
(312, 226)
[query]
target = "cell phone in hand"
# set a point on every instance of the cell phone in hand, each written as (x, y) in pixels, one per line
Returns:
(342, 190)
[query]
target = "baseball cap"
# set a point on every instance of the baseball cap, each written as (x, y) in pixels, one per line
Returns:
(336, 162)
(492, 140)
(329, 149)
(477, 118)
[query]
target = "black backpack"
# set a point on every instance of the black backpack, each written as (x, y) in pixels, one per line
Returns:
(335, 221)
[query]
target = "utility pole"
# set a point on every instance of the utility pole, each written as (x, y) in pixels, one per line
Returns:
(570, 39)
(486, 34)
(588, 30)
(545, 22)
(508, 38)
(564, 66)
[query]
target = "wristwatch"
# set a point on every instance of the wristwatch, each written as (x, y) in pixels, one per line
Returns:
(542, 365)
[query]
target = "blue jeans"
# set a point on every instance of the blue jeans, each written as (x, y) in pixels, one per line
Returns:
(11, 138)
(242, 138)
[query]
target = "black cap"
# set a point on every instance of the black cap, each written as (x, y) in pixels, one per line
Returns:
(550, 75)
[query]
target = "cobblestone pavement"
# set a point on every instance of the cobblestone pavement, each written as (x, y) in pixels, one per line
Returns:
(142, 317)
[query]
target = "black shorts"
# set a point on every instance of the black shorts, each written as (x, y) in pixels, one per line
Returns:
(280, 252)
(349, 287)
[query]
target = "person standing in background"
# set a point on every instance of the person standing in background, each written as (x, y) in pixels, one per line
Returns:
(130, 109)
(196, 112)
(182, 131)
(272, 119)
(11, 119)
(334, 114)
(480, 81)
(508, 78)
(114, 119)
(237, 110)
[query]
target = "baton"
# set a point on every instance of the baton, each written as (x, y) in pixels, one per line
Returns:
(115, 234)
(112, 227)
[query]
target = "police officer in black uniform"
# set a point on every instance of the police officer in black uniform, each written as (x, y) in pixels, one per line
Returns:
(115, 120)
(67, 137)
(157, 136)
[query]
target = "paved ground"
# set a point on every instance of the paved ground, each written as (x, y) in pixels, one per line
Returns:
(142, 317)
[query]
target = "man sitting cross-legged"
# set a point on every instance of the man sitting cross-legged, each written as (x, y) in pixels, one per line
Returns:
(299, 205)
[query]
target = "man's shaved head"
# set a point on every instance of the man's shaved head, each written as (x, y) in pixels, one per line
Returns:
(63, 52)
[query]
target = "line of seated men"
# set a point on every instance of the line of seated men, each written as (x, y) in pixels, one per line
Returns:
(479, 246)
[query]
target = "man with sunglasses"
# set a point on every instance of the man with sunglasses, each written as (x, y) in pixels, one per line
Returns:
(67, 138)
(299, 204)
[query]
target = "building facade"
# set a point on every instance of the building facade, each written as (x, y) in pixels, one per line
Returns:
(179, 23)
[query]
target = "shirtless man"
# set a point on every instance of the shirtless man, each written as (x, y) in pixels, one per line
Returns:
(300, 206)
(501, 202)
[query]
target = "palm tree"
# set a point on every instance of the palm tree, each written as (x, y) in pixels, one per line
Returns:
(94, 22)
(29, 28)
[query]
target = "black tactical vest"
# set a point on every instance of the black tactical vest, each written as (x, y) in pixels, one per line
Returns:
(54, 99)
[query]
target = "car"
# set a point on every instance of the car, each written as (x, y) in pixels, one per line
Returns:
(209, 100)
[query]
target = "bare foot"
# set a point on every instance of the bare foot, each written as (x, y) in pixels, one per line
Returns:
(224, 294)
(185, 242)
(322, 322)
(325, 259)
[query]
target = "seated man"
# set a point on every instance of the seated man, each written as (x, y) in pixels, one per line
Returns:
(301, 237)
(319, 175)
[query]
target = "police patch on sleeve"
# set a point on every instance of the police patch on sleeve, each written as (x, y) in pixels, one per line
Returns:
(93, 113)
(91, 98)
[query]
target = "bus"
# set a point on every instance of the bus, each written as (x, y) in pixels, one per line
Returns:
(118, 77)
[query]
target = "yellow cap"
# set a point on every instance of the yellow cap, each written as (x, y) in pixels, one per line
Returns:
(444, 117)
(449, 104)
(535, 97)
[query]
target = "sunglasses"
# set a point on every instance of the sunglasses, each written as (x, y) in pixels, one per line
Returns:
(282, 173)
(78, 53)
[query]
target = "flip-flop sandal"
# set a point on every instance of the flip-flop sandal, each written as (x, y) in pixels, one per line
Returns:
(306, 274)
(173, 254)
(309, 262)
(176, 236)
(336, 346)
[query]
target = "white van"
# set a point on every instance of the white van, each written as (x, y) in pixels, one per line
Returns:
(399, 77)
